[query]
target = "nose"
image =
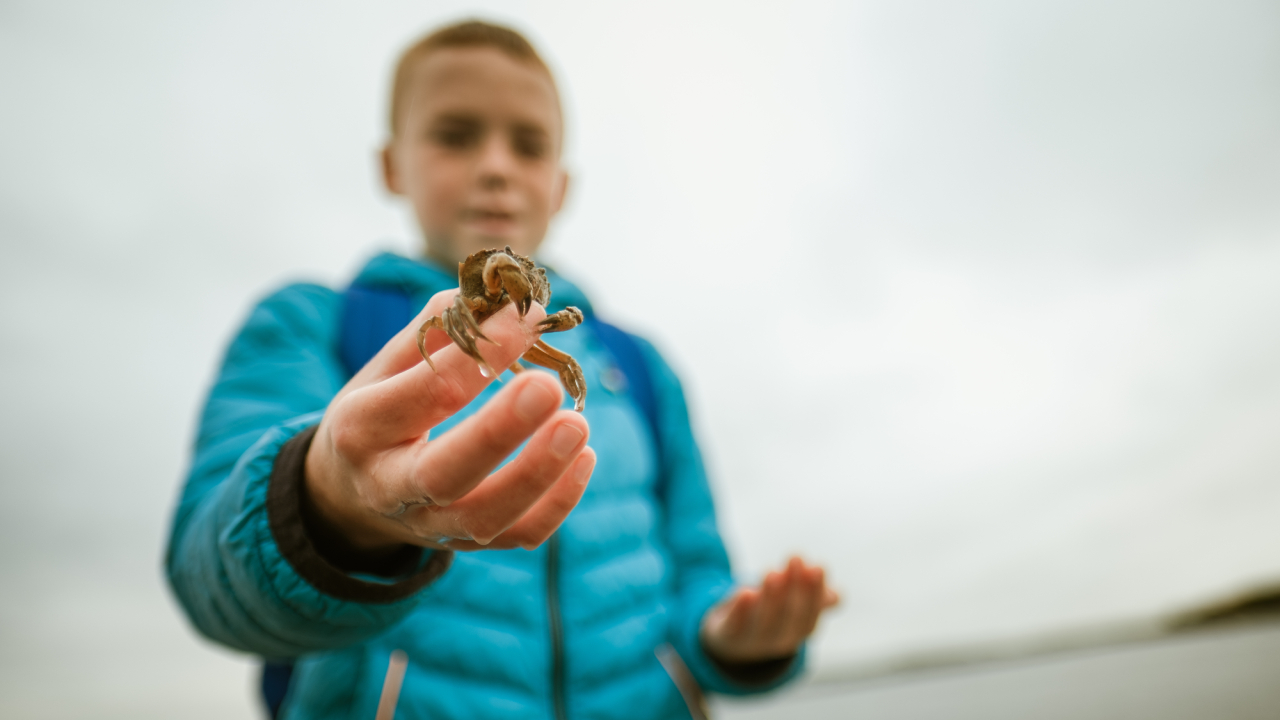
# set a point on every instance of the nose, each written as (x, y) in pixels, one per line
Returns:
(496, 163)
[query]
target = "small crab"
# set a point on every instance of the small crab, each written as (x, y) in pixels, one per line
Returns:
(488, 281)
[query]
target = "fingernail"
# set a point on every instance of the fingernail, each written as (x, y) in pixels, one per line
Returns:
(534, 401)
(565, 439)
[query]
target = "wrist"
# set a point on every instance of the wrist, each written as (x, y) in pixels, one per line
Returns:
(726, 652)
(757, 672)
(331, 516)
(324, 559)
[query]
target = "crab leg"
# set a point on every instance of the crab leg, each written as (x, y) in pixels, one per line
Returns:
(567, 319)
(432, 322)
(468, 319)
(570, 371)
(461, 326)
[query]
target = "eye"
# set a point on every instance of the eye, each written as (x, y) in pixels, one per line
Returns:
(530, 145)
(454, 136)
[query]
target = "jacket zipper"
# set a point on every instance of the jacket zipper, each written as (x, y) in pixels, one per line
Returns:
(557, 629)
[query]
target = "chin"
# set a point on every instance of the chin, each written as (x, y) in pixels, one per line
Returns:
(519, 244)
(465, 244)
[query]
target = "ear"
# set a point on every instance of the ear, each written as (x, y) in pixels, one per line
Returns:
(390, 178)
(559, 191)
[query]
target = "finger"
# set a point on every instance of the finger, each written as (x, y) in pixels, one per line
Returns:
(807, 606)
(724, 628)
(772, 600)
(401, 351)
(406, 406)
(794, 570)
(827, 597)
(438, 339)
(550, 511)
(546, 516)
(743, 610)
(788, 601)
(502, 499)
(780, 638)
(452, 465)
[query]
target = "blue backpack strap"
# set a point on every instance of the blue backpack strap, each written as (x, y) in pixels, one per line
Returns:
(631, 363)
(370, 317)
(275, 683)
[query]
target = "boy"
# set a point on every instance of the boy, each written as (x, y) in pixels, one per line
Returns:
(324, 509)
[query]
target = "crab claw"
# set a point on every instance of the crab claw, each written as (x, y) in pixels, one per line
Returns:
(503, 272)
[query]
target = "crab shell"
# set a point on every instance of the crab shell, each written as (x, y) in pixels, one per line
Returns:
(471, 283)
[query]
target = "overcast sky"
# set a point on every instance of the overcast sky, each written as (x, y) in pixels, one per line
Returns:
(976, 303)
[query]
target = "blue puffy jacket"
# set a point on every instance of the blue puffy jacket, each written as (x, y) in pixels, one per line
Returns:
(568, 630)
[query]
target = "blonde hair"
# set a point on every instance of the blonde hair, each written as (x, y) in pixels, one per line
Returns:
(467, 34)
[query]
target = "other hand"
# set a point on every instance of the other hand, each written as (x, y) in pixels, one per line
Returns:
(770, 621)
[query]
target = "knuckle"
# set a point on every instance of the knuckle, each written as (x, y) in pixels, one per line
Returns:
(489, 438)
(345, 437)
(430, 500)
(559, 506)
(483, 531)
(445, 392)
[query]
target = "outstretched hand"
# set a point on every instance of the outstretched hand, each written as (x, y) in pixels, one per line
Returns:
(375, 476)
(770, 621)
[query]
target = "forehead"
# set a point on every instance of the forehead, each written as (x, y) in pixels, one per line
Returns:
(482, 81)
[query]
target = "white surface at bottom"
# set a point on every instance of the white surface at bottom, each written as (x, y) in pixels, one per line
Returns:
(1228, 674)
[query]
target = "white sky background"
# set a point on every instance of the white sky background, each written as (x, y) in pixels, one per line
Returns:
(975, 303)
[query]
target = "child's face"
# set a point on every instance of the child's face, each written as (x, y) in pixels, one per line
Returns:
(478, 152)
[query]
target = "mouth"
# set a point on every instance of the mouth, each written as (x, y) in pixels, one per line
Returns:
(491, 222)
(487, 215)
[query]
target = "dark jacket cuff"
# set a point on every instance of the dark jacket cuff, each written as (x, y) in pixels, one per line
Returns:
(753, 674)
(327, 565)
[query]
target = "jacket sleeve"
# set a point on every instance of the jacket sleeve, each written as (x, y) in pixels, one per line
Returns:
(703, 576)
(239, 559)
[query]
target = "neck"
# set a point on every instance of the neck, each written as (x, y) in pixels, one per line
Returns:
(441, 257)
